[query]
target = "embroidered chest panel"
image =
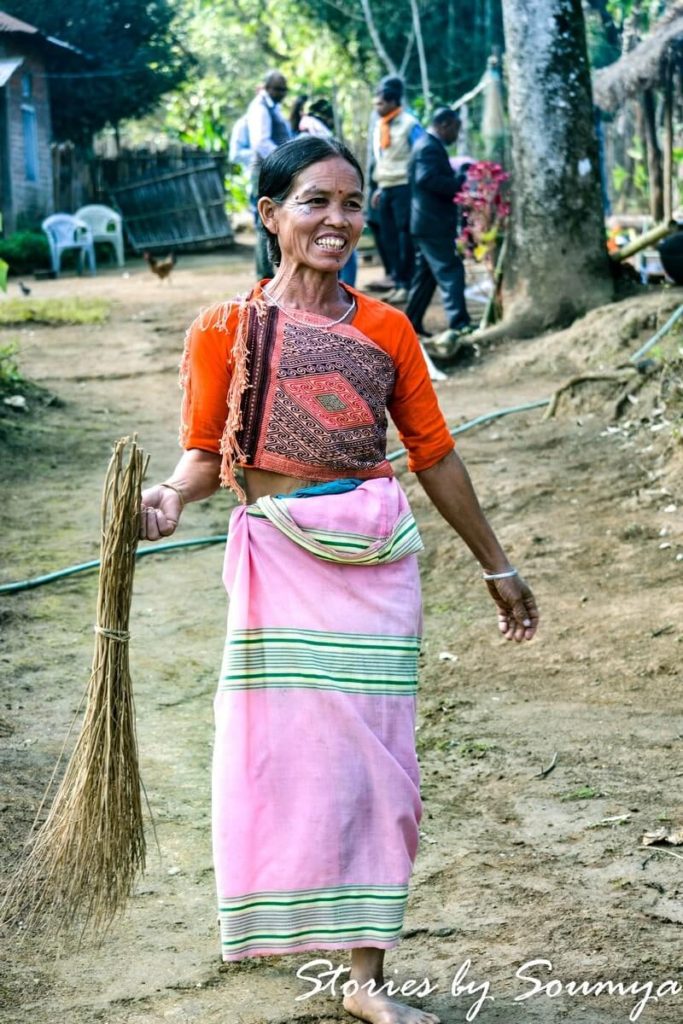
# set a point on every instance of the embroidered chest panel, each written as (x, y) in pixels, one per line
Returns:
(316, 397)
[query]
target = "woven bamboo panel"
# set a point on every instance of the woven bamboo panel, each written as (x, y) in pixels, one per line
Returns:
(180, 209)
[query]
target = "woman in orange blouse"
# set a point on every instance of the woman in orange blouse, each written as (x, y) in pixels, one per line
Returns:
(316, 804)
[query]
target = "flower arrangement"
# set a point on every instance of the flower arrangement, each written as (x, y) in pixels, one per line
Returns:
(485, 211)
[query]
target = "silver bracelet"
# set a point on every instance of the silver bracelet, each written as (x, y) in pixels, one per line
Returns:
(499, 575)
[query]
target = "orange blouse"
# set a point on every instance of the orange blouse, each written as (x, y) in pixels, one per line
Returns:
(410, 397)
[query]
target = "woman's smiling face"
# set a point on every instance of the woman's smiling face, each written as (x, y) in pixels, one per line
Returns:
(320, 221)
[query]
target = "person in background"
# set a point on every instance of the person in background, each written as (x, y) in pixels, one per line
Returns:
(382, 284)
(433, 226)
(239, 149)
(268, 129)
(396, 132)
(318, 121)
(296, 114)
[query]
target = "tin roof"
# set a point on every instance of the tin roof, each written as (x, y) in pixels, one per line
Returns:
(7, 68)
(10, 24)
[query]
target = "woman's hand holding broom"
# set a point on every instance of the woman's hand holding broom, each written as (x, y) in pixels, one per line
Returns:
(195, 477)
(160, 509)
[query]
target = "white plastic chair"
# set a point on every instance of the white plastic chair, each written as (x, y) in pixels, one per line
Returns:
(106, 226)
(66, 232)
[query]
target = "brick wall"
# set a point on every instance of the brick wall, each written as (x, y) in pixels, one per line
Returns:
(30, 200)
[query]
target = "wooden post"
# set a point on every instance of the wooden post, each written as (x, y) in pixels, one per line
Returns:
(668, 137)
(654, 155)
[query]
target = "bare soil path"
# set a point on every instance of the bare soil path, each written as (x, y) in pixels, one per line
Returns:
(512, 867)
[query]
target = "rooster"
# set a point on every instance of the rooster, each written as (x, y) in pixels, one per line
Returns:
(163, 266)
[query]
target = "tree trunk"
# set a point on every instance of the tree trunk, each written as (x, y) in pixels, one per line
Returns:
(668, 138)
(557, 266)
(422, 59)
(376, 38)
(654, 156)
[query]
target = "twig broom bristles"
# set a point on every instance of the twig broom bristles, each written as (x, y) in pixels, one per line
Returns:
(83, 860)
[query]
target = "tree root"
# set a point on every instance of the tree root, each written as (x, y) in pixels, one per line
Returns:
(507, 330)
(582, 379)
(630, 389)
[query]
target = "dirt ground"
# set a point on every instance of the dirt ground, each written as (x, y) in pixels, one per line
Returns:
(512, 867)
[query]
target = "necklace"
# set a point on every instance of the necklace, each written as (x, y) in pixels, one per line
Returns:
(303, 323)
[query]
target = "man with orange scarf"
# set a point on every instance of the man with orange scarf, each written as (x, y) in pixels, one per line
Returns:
(396, 131)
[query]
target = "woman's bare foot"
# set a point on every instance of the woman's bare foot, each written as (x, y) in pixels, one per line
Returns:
(371, 1001)
(380, 1009)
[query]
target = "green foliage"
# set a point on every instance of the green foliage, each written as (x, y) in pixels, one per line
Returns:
(475, 749)
(603, 47)
(234, 46)
(458, 37)
(237, 190)
(10, 376)
(136, 56)
(633, 181)
(18, 397)
(323, 47)
(25, 251)
(582, 793)
(608, 20)
(643, 12)
(639, 175)
(619, 177)
(54, 311)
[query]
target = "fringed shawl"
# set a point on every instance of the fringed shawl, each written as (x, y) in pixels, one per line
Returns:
(217, 318)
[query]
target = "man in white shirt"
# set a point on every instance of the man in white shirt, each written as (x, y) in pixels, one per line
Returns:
(268, 129)
(239, 150)
(396, 132)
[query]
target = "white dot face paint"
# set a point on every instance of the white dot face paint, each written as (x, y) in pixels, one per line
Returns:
(296, 203)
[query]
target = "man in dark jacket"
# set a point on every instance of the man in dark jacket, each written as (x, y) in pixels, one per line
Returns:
(434, 223)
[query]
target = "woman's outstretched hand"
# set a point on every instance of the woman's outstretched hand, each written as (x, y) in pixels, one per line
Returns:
(159, 512)
(517, 610)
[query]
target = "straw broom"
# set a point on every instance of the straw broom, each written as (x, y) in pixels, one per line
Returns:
(83, 860)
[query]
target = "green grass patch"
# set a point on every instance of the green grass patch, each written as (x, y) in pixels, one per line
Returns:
(582, 793)
(54, 311)
(18, 397)
(10, 375)
(475, 748)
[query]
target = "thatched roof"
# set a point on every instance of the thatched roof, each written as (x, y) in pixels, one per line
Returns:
(641, 68)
